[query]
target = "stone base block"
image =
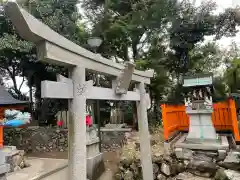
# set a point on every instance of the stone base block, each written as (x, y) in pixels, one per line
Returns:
(183, 153)
(215, 146)
(222, 154)
(4, 168)
(95, 167)
(15, 158)
(167, 148)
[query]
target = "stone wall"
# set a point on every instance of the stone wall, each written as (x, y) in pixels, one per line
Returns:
(37, 139)
(43, 139)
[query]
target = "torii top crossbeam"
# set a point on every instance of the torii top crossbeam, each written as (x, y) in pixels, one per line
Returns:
(55, 49)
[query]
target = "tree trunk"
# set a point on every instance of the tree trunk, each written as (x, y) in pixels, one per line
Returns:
(135, 119)
(31, 99)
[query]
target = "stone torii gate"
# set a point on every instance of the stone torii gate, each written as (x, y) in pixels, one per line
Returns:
(55, 49)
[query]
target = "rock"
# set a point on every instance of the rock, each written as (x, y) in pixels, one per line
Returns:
(183, 153)
(189, 176)
(232, 175)
(157, 158)
(233, 157)
(221, 155)
(121, 169)
(221, 175)
(17, 168)
(27, 164)
(17, 159)
(180, 167)
(118, 176)
(206, 153)
(195, 166)
(134, 169)
(21, 153)
(137, 146)
(184, 176)
(128, 175)
(232, 161)
(126, 162)
(186, 162)
(22, 165)
(202, 157)
(165, 169)
(202, 174)
(167, 158)
(161, 177)
(202, 163)
(62, 140)
(155, 170)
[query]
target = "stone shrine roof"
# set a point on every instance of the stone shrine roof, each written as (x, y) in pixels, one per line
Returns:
(7, 99)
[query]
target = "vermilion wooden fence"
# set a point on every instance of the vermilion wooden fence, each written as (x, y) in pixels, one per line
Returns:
(224, 118)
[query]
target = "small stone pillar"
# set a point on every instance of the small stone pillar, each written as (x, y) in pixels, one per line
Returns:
(95, 164)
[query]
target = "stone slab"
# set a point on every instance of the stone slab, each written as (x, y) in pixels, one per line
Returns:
(222, 145)
(201, 128)
(116, 130)
(92, 150)
(62, 175)
(95, 166)
(93, 141)
(183, 153)
(222, 154)
(4, 168)
(169, 146)
(39, 167)
(2, 158)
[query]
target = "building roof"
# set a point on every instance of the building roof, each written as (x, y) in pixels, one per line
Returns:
(7, 99)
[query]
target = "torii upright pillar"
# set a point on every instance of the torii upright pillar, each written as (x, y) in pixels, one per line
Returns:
(77, 126)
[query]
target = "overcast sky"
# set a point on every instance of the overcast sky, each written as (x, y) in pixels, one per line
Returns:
(224, 42)
(222, 4)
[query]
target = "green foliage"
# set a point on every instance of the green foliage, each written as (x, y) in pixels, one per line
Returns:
(220, 89)
(204, 58)
(62, 16)
(232, 76)
(9, 41)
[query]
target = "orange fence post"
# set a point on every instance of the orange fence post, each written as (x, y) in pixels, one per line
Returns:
(1, 136)
(164, 121)
(233, 116)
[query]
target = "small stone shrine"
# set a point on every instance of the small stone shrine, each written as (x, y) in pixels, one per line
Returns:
(199, 108)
